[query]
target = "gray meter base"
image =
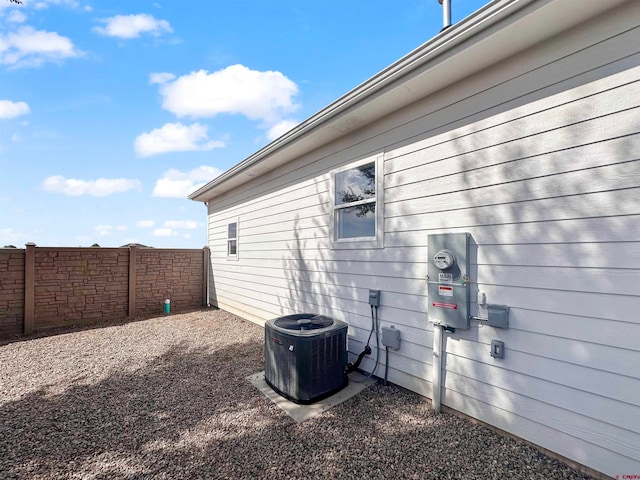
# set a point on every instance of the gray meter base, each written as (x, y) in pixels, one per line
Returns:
(448, 288)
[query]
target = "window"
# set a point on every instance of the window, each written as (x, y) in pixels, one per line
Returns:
(357, 216)
(232, 239)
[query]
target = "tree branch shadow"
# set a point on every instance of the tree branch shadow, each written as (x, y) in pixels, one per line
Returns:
(128, 420)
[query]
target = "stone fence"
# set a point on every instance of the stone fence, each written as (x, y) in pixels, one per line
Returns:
(43, 287)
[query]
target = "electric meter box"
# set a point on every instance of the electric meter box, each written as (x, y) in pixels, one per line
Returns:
(448, 279)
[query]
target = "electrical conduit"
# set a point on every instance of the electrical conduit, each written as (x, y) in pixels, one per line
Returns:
(436, 381)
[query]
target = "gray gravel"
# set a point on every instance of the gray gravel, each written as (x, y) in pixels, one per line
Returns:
(168, 398)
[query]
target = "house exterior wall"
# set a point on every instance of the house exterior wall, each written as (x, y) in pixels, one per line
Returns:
(537, 158)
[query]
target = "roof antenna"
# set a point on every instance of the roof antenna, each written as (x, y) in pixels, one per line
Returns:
(446, 13)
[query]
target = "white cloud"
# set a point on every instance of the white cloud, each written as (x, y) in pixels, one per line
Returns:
(97, 188)
(45, 3)
(145, 223)
(177, 184)
(265, 96)
(9, 109)
(175, 137)
(9, 236)
(181, 224)
(131, 26)
(171, 228)
(161, 77)
(16, 16)
(103, 230)
(30, 47)
(280, 129)
(164, 232)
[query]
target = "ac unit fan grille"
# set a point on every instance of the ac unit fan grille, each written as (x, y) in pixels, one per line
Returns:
(302, 321)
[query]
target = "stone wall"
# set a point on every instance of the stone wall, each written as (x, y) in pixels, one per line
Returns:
(43, 287)
(176, 275)
(80, 284)
(11, 291)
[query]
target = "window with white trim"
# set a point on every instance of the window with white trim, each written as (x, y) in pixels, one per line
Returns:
(357, 206)
(232, 239)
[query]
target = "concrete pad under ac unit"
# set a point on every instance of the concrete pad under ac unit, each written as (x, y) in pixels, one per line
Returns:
(300, 413)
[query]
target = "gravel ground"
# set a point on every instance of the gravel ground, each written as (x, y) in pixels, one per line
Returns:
(168, 398)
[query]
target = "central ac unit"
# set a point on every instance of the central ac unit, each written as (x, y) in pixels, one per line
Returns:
(305, 356)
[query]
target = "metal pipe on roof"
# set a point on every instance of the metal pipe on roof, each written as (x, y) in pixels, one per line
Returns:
(446, 13)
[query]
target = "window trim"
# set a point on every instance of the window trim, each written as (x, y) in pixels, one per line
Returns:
(228, 239)
(359, 242)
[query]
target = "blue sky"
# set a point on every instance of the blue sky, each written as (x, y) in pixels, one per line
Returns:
(112, 112)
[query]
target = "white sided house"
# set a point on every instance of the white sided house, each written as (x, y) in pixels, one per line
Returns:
(519, 126)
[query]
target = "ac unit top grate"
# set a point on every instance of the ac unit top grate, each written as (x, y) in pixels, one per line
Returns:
(303, 321)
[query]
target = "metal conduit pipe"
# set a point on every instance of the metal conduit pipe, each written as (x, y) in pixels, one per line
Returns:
(436, 380)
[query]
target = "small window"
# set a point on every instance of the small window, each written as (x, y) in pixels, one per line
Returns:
(357, 203)
(232, 239)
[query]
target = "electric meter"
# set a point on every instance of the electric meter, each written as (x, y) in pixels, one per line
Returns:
(448, 279)
(444, 260)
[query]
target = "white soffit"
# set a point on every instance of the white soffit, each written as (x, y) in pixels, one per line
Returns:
(497, 31)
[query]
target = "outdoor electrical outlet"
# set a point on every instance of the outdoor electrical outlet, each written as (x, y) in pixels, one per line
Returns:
(497, 349)
(391, 337)
(498, 316)
(374, 298)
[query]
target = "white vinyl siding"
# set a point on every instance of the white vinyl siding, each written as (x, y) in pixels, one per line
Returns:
(538, 158)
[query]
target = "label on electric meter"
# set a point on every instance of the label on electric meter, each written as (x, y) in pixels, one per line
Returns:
(450, 306)
(445, 291)
(445, 277)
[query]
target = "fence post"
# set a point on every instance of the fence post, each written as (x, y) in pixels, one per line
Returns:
(29, 287)
(132, 280)
(206, 258)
